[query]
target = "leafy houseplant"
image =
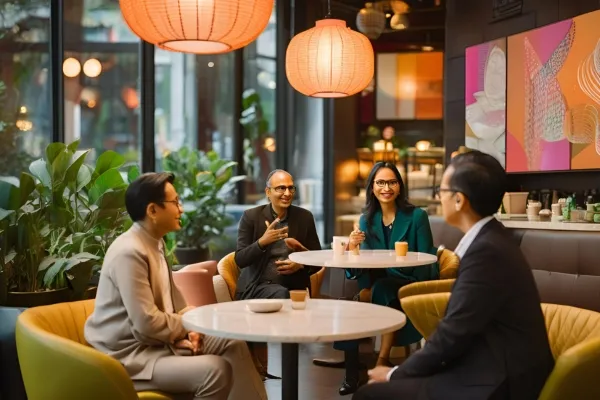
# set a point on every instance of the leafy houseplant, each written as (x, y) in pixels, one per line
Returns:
(59, 219)
(256, 128)
(203, 180)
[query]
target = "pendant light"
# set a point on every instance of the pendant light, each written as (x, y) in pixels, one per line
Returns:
(329, 60)
(197, 26)
(370, 21)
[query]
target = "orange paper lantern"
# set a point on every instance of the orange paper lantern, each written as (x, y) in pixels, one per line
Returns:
(197, 26)
(329, 60)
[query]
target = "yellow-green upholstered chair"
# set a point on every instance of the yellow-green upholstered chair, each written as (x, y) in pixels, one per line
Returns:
(57, 362)
(448, 262)
(574, 336)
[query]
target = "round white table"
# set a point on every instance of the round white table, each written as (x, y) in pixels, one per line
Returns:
(321, 321)
(366, 259)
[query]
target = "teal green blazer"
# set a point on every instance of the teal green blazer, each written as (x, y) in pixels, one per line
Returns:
(412, 227)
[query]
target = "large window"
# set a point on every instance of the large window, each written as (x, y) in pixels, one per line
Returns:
(194, 103)
(24, 83)
(101, 74)
(259, 106)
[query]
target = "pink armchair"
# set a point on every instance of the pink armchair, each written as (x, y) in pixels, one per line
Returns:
(196, 284)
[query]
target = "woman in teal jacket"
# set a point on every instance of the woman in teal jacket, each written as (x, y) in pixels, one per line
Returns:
(388, 218)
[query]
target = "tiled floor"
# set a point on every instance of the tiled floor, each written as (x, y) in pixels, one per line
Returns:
(316, 383)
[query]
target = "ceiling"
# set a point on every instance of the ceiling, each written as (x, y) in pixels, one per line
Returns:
(426, 24)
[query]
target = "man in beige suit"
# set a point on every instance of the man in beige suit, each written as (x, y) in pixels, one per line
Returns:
(137, 316)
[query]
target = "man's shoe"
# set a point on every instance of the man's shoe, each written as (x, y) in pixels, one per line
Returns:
(267, 375)
(329, 363)
(349, 386)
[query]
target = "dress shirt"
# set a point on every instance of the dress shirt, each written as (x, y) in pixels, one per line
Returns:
(460, 251)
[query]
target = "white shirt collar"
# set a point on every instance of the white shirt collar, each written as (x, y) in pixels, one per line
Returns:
(470, 236)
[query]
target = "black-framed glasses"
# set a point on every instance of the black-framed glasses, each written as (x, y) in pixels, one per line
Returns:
(392, 183)
(439, 190)
(283, 188)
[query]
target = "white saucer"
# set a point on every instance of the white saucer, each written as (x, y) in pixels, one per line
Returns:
(264, 306)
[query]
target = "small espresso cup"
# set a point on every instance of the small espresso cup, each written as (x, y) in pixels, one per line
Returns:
(401, 248)
(298, 298)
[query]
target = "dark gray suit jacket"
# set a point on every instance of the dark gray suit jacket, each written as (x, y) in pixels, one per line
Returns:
(492, 342)
(252, 259)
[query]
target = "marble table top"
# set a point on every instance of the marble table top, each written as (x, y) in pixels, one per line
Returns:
(323, 320)
(366, 259)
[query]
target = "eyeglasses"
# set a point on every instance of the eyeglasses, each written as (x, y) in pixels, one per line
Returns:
(391, 183)
(439, 191)
(282, 189)
(177, 202)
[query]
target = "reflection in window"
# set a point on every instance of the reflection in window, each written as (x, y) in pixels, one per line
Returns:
(175, 114)
(194, 103)
(25, 118)
(258, 110)
(101, 68)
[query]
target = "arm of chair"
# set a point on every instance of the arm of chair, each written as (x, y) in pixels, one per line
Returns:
(196, 286)
(426, 287)
(425, 311)
(316, 281)
(210, 266)
(575, 374)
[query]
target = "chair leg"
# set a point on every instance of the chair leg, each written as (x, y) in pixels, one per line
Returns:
(387, 341)
(407, 351)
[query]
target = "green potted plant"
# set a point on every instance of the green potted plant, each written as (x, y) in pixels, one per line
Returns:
(203, 180)
(256, 129)
(59, 221)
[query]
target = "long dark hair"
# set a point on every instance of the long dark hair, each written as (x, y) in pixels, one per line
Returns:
(373, 205)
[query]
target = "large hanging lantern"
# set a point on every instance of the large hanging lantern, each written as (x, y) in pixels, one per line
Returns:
(329, 60)
(370, 21)
(197, 26)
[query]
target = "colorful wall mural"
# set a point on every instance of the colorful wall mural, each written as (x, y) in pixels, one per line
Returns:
(485, 98)
(553, 97)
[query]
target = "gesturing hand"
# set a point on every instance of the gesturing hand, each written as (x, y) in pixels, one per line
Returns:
(287, 267)
(356, 237)
(272, 235)
(193, 342)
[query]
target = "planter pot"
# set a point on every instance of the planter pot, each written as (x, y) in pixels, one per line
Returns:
(191, 255)
(90, 293)
(34, 299)
(11, 381)
(249, 186)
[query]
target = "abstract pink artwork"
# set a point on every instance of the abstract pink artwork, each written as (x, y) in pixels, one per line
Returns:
(485, 98)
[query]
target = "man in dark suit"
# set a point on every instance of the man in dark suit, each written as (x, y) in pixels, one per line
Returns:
(492, 342)
(266, 236)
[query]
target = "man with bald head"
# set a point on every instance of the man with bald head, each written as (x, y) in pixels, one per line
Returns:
(267, 235)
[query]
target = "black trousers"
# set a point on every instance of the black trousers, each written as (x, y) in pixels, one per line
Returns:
(400, 389)
(269, 290)
(415, 388)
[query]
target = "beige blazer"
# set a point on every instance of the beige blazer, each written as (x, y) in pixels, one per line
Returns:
(129, 322)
